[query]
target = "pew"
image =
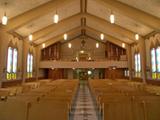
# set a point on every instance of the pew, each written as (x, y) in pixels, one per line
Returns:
(126, 100)
(51, 100)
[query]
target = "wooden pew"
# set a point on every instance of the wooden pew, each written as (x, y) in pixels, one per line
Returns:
(34, 104)
(49, 110)
(122, 100)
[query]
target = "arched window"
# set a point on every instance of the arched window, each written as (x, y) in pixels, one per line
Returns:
(137, 58)
(153, 62)
(12, 61)
(158, 62)
(30, 65)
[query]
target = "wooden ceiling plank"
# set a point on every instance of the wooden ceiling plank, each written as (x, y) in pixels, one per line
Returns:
(113, 27)
(34, 13)
(60, 37)
(131, 12)
(51, 28)
(107, 37)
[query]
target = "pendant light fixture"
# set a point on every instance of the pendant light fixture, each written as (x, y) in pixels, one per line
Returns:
(30, 37)
(43, 45)
(82, 51)
(112, 18)
(137, 36)
(65, 36)
(123, 45)
(69, 45)
(97, 45)
(56, 18)
(5, 18)
(102, 36)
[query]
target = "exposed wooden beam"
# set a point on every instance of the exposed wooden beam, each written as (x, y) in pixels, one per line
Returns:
(72, 38)
(151, 34)
(60, 37)
(16, 35)
(112, 28)
(90, 29)
(92, 37)
(107, 37)
(83, 6)
(51, 28)
(34, 13)
(52, 42)
(131, 12)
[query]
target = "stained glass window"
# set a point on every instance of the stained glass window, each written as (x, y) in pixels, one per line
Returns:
(136, 62)
(12, 63)
(15, 58)
(9, 63)
(137, 65)
(29, 65)
(153, 62)
(158, 62)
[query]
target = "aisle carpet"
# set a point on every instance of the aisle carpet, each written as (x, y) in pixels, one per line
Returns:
(84, 107)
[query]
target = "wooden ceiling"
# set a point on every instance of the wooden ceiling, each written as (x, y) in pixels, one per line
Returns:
(92, 16)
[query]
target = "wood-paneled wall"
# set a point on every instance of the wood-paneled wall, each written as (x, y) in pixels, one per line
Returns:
(51, 52)
(114, 52)
(55, 74)
(114, 73)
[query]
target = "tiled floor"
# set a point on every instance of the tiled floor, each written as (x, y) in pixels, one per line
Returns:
(84, 108)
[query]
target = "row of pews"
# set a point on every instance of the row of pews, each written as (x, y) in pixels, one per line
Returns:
(126, 100)
(42, 100)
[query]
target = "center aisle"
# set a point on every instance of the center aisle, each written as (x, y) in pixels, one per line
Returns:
(84, 107)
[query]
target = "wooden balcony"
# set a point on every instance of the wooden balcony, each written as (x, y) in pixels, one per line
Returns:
(83, 64)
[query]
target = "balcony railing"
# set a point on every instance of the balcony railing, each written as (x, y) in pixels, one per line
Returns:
(83, 64)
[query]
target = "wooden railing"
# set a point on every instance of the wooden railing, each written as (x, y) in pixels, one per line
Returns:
(83, 64)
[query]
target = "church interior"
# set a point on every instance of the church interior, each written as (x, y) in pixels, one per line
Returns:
(79, 59)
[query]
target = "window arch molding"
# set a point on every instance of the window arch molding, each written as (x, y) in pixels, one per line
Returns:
(155, 58)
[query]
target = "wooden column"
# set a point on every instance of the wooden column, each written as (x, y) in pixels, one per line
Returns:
(38, 58)
(129, 58)
(24, 61)
(143, 58)
(2, 65)
(0, 83)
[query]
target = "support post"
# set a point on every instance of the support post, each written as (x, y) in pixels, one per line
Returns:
(129, 57)
(143, 58)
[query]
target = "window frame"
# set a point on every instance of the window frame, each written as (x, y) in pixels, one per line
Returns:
(11, 75)
(30, 64)
(156, 74)
(137, 65)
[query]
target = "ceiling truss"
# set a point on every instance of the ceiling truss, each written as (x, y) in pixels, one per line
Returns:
(84, 17)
